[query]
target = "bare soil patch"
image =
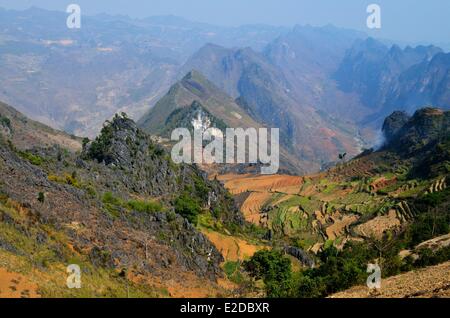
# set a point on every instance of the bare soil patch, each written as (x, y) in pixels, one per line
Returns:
(14, 285)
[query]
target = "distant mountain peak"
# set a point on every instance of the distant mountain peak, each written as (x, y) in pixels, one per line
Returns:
(194, 75)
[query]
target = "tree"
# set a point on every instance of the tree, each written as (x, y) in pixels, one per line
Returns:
(187, 207)
(274, 269)
(85, 142)
(41, 197)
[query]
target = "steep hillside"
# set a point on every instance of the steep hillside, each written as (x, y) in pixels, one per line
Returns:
(225, 67)
(308, 130)
(141, 226)
(431, 282)
(427, 83)
(25, 133)
(195, 87)
(307, 56)
(388, 79)
(193, 92)
(120, 209)
(424, 141)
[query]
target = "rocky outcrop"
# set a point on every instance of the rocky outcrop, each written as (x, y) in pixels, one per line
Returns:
(140, 164)
(124, 162)
(393, 123)
(427, 127)
(144, 167)
(301, 255)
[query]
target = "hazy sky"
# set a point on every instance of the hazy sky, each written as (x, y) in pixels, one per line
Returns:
(405, 20)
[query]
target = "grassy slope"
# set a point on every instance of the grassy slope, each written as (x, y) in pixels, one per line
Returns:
(25, 133)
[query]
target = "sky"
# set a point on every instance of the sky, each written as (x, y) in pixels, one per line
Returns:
(412, 21)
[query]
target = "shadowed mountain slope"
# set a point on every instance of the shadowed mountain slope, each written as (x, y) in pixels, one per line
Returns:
(309, 131)
(388, 79)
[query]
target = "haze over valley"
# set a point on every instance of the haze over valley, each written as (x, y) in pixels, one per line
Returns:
(320, 85)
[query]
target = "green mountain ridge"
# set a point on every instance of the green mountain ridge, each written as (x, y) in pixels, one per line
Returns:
(194, 87)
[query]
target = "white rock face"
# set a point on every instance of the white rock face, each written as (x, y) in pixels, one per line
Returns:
(202, 122)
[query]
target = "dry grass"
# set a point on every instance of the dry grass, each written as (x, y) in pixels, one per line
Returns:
(378, 226)
(232, 248)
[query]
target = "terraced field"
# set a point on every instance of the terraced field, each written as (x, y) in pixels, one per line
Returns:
(262, 183)
(349, 202)
(232, 248)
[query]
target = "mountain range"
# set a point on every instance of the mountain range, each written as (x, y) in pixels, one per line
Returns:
(112, 64)
(389, 79)
(328, 89)
(87, 179)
